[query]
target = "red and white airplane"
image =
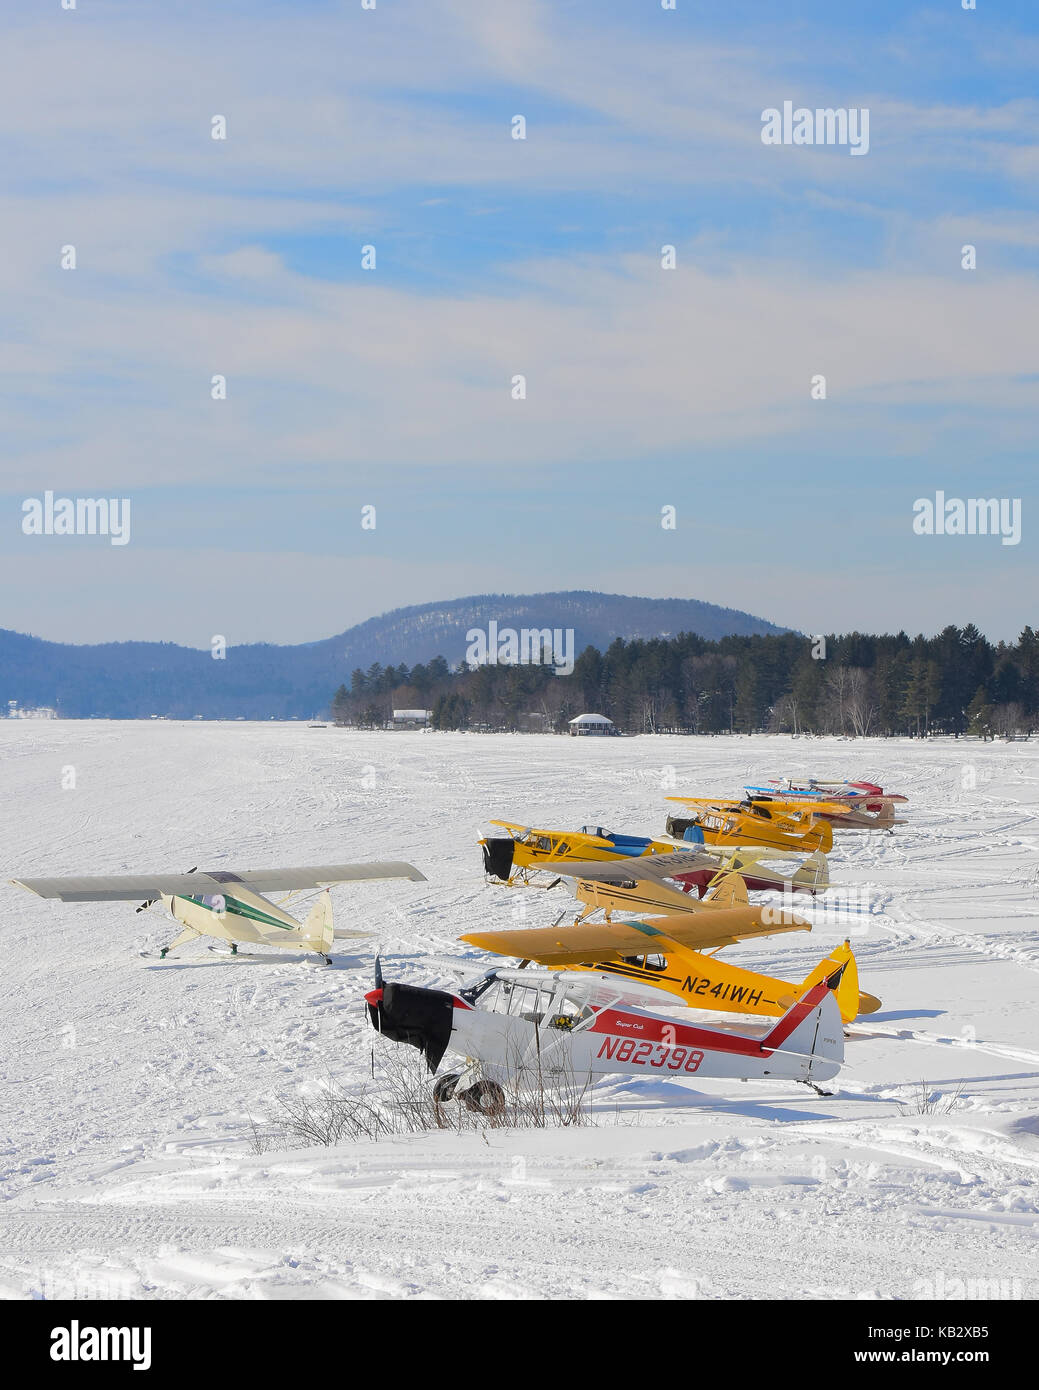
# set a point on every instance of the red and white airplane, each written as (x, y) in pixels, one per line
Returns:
(863, 805)
(567, 1027)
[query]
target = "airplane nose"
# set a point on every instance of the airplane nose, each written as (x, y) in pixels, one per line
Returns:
(498, 856)
(422, 1018)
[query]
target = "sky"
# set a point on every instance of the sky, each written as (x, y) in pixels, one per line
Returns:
(393, 387)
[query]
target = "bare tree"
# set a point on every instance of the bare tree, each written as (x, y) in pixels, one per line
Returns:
(858, 705)
(1009, 719)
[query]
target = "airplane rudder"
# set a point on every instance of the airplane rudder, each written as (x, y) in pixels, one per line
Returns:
(318, 926)
(825, 830)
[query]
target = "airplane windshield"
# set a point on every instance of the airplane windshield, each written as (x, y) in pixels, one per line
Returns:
(539, 1002)
(474, 991)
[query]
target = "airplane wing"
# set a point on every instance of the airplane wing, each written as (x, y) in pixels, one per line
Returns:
(772, 803)
(134, 887)
(617, 887)
(582, 835)
(597, 989)
(758, 854)
(642, 868)
(594, 941)
(723, 803)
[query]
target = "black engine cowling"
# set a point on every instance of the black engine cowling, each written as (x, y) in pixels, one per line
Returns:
(497, 857)
(422, 1018)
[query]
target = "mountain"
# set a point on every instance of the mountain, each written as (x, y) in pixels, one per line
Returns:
(128, 680)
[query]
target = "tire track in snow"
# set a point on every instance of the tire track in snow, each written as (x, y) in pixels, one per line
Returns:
(1015, 1054)
(994, 948)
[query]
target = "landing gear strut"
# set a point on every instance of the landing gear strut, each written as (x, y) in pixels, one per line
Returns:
(444, 1087)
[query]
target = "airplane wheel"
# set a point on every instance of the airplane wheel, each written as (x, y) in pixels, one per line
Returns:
(485, 1098)
(444, 1087)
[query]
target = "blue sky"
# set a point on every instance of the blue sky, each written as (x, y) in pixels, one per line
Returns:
(391, 387)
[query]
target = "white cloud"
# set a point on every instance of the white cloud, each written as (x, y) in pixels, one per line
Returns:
(247, 263)
(622, 360)
(332, 115)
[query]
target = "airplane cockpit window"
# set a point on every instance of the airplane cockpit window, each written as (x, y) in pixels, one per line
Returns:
(533, 1003)
(568, 1013)
(503, 997)
(525, 1001)
(647, 962)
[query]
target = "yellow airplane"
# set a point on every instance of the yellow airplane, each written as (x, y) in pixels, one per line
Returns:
(525, 848)
(777, 824)
(670, 951)
(514, 857)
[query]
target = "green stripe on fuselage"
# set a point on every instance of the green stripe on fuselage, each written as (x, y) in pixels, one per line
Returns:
(246, 910)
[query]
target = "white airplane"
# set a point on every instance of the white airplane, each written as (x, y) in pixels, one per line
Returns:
(230, 905)
(567, 1027)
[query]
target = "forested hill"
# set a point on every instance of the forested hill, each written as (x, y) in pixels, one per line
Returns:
(856, 684)
(125, 680)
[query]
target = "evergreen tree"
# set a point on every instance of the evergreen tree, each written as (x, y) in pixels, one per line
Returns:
(341, 705)
(979, 714)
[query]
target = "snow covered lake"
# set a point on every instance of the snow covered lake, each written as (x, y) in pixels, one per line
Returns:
(126, 1162)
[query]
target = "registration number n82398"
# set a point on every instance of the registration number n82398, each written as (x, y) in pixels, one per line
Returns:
(650, 1054)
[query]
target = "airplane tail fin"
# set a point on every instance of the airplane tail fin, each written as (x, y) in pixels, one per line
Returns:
(318, 926)
(811, 1028)
(820, 833)
(814, 873)
(728, 890)
(847, 991)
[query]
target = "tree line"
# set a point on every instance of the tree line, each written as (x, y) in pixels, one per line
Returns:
(955, 682)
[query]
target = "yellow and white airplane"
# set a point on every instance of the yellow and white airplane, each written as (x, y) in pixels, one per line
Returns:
(512, 858)
(756, 821)
(230, 905)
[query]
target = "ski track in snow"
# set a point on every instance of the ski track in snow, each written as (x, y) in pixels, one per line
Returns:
(126, 1165)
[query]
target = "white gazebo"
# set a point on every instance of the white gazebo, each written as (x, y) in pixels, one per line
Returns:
(592, 724)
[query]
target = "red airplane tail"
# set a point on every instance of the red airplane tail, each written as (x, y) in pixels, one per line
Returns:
(812, 1026)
